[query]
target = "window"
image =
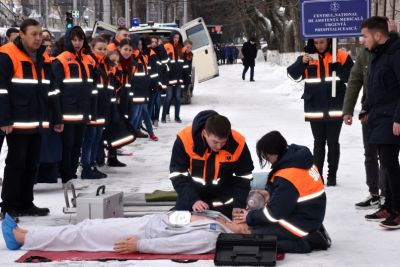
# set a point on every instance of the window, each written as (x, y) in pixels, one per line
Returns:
(198, 36)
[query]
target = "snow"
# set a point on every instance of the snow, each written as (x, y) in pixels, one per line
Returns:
(271, 103)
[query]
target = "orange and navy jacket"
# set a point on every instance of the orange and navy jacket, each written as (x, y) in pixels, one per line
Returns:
(319, 105)
(48, 58)
(118, 132)
(187, 66)
(152, 68)
(113, 46)
(28, 100)
(123, 90)
(74, 77)
(140, 78)
(197, 173)
(162, 66)
(105, 87)
(175, 63)
(297, 196)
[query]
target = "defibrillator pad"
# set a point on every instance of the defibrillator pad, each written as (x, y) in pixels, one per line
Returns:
(179, 218)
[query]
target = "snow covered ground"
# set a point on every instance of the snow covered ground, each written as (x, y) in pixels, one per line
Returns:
(271, 103)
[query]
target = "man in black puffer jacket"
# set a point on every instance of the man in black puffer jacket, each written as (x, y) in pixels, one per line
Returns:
(383, 109)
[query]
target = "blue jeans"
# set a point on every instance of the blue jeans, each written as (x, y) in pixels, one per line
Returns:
(172, 92)
(154, 105)
(136, 115)
(139, 113)
(90, 145)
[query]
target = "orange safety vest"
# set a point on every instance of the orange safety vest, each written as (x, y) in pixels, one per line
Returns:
(307, 182)
(67, 58)
(81, 77)
(188, 56)
(105, 87)
(170, 49)
(223, 156)
(47, 58)
(24, 82)
(309, 185)
(113, 45)
(341, 57)
(140, 80)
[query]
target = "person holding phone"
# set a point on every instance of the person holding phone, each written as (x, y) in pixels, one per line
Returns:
(321, 109)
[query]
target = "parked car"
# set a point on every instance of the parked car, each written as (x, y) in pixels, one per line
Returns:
(205, 65)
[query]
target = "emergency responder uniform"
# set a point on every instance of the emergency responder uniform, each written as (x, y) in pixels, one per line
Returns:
(74, 77)
(322, 110)
(162, 70)
(175, 77)
(296, 208)
(221, 179)
(28, 102)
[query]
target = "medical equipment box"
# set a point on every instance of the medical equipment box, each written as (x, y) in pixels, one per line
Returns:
(245, 249)
(101, 205)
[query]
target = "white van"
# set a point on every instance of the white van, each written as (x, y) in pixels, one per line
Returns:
(205, 65)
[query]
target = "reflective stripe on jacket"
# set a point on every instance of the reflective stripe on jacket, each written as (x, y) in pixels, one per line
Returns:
(78, 89)
(200, 167)
(25, 99)
(175, 65)
(319, 105)
(309, 186)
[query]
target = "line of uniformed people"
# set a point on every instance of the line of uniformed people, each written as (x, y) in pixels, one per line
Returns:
(169, 66)
(79, 95)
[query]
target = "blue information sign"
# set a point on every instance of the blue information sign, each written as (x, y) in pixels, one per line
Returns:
(340, 18)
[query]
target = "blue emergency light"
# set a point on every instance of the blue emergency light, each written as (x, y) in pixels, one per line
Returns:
(135, 22)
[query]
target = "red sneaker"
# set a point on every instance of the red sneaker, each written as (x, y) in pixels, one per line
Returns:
(153, 137)
(392, 222)
(379, 215)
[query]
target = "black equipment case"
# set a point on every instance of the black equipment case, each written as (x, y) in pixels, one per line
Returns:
(242, 249)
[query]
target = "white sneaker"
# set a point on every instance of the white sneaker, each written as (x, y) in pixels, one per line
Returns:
(168, 119)
(79, 184)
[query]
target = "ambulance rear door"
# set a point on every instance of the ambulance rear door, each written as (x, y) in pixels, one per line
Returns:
(204, 57)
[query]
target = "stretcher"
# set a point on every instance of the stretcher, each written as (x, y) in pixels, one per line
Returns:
(134, 205)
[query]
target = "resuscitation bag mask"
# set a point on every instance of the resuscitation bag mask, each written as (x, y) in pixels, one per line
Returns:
(179, 218)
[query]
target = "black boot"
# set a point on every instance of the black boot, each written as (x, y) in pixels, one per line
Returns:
(99, 174)
(331, 181)
(319, 155)
(333, 162)
(114, 162)
(34, 211)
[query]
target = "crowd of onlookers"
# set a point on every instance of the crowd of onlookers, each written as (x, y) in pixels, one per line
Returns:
(226, 53)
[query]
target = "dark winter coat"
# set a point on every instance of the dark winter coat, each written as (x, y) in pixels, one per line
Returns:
(176, 61)
(28, 99)
(383, 103)
(140, 79)
(106, 83)
(187, 67)
(74, 76)
(249, 52)
(358, 79)
(162, 63)
(230, 184)
(283, 204)
(319, 105)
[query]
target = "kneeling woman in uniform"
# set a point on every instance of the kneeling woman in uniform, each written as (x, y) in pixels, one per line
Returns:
(295, 198)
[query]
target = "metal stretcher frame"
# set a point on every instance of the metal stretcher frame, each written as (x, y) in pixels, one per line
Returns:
(135, 204)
